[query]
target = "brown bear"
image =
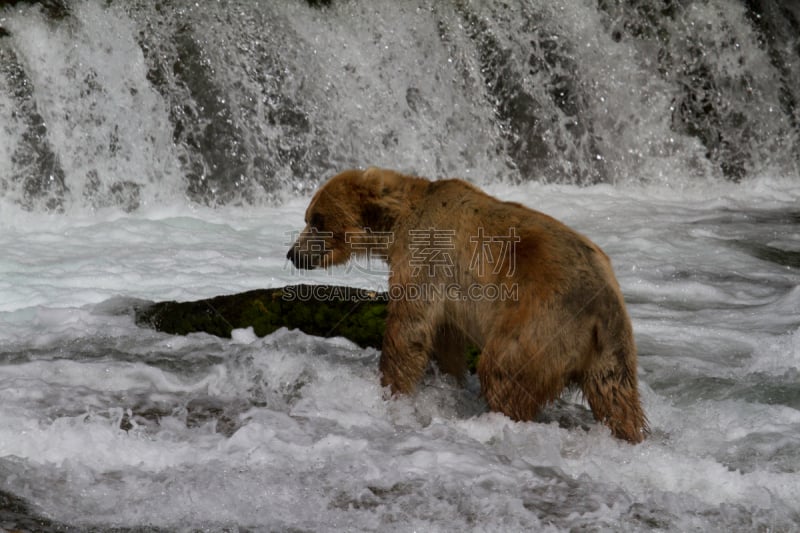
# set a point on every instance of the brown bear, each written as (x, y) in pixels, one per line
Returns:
(538, 299)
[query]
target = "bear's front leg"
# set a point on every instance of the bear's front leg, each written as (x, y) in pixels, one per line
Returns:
(407, 345)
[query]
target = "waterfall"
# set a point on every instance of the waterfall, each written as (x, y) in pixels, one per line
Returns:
(124, 104)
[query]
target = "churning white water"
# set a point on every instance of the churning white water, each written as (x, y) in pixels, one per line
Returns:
(121, 122)
(103, 423)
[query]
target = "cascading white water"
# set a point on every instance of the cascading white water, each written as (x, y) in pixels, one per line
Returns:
(106, 125)
(143, 147)
(238, 101)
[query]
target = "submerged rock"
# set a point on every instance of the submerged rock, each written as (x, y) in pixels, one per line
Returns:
(322, 310)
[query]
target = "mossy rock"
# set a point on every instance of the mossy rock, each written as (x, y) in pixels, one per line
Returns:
(321, 310)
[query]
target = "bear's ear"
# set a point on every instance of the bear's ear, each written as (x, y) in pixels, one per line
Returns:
(384, 198)
(382, 182)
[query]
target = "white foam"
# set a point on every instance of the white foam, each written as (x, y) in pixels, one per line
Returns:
(312, 438)
(243, 336)
(777, 354)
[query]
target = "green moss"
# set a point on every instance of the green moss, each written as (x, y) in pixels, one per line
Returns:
(264, 317)
(335, 311)
(473, 353)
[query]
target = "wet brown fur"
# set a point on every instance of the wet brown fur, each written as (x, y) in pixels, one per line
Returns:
(568, 325)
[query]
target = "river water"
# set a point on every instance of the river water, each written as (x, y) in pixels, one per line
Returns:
(114, 195)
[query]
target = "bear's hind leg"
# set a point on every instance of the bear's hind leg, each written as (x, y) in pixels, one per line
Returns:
(610, 385)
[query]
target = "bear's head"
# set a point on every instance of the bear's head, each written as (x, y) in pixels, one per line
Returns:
(352, 213)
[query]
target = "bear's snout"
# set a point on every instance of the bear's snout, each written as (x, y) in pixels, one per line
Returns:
(291, 255)
(308, 255)
(299, 259)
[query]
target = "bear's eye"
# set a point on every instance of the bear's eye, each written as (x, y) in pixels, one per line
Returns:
(317, 221)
